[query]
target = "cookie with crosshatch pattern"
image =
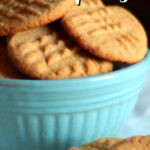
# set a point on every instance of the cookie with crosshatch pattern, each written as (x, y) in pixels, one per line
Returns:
(133, 143)
(7, 70)
(18, 15)
(48, 53)
(109, 32)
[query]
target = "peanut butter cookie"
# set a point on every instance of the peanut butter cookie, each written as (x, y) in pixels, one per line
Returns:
(7, 70)
(110, 32)
(101, 144)
(19, 15)
(48, 53)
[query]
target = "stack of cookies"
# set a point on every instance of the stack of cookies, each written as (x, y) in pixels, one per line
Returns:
(133, 143)
(55, 39)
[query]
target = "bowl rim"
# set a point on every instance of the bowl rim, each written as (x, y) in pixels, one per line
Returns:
(145, 64)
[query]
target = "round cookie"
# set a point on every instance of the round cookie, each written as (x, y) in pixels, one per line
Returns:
(19, 15)
(7, 70)
(101, 144)
(134, 143)
(48, 53)
(110, 32)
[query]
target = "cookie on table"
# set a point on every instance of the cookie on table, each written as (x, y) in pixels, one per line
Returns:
(7, 70)
(18, 15)
(134, 143)
(109, 32)
(101, 144)
(48, 52)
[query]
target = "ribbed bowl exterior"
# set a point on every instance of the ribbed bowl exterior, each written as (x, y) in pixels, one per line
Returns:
(58, 114)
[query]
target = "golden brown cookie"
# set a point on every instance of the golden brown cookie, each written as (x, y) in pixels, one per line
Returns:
(18, 15)
(48, 53)
(7, 70)
(134, 143)
(110, 32)
(101, 144)
(84, 7)
(91, 3)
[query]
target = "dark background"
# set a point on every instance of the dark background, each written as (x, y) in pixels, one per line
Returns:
(140, 8)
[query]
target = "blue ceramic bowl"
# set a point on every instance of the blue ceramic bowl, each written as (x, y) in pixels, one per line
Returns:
(57, 114)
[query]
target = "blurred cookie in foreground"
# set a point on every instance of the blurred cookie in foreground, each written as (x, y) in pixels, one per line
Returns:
(48, 52)
(7, 70)
(109, 32)
(133, 143)
(101, 144)
(19, 15)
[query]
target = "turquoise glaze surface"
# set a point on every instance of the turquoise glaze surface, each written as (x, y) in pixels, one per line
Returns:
(57, 114)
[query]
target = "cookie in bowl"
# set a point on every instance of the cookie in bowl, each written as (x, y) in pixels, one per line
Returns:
(108, 32)
(7, 70)
(49, 53)
(19, 15)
